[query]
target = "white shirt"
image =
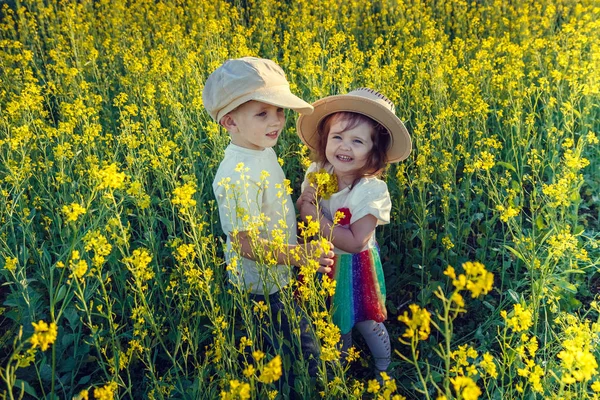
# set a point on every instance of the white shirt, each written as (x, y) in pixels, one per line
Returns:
(254, 197)
(369, 196)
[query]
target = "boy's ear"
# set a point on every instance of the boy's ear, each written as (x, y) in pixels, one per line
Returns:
(228, 122)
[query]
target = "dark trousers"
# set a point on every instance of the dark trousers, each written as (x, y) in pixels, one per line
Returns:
(283, 326)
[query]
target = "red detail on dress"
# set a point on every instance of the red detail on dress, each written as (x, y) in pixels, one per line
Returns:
(347, 216)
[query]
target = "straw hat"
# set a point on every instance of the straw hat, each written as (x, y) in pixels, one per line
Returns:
(362, 101)
(240, 80)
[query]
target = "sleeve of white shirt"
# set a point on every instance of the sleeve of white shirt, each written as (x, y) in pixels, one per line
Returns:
(371, 197)
(239, 202)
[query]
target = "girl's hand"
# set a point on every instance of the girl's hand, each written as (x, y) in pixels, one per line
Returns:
(308, 196)
(308, 209)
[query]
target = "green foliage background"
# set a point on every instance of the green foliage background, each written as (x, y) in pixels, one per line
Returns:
(501, 99)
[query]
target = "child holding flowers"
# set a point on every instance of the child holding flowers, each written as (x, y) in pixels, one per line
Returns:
(353, 137)
(247, 96)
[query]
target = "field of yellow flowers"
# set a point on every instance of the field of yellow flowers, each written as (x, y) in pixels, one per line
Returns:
(111, 254)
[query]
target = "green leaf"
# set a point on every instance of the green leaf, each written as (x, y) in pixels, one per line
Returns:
(515, 252)
(514, 295)
(506, 165)
(573, 271)
(539, 222)
(22, 385)
(73, 318)
(62, 291)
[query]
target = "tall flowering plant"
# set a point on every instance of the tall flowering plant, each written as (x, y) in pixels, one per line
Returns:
(463, 365)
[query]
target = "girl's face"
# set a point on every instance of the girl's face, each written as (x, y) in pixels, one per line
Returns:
(348, 150)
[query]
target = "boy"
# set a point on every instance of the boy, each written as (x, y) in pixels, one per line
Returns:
(247, 96)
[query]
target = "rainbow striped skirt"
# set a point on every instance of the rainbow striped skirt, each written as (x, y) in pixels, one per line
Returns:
(360, 289)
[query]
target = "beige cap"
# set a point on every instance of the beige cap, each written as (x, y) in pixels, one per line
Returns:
(240, 80)
(363, 101)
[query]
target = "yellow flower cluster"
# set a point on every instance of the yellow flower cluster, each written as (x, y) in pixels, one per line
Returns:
(329, 334)
(465, 388)
(106, 392)
(141, 198)
(109, 177)
(96, 241)
(10, 264)
(476, 278)
(272, 371)
(324, 183)
(419, 325)
(578, 362)
(73, 211)
(389, 387)
(78, 266)
(564, 244)
(138, 265)
(461, 361)
(488, 365)
(521, 318)
(237, 391)
(507, 213)
(183, 196)
(44, 334)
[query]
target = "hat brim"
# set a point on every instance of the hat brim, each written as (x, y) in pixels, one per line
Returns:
(278, 96)
(306, 125)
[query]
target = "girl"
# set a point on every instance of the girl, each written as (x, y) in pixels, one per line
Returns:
(353, 137)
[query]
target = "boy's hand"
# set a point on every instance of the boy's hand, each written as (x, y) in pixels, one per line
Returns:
(324, 250)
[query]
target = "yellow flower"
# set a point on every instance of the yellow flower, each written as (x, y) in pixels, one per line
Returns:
(245, 342)
(521, 319)
(507, 213)
(136, 191)
(249, 371)
(419, 325)
(578, 365)
(480, 281)
(138, 265)
(477, 279)
(325, 183)
(488, 365)
(260, 308)
(466, 388)
(73, 211)
(110, 178)
(458, 300)
(237, 390)
(447, 242)
(183, 196)
(94, 240)
(272, 371)
(44, 335)
(373, 386)
(83, 395)
(353, 354)
(106, 392)
(10, 264)
(258, 355)
(79, 268)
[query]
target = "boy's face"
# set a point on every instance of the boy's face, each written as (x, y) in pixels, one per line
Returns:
(255, 125)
